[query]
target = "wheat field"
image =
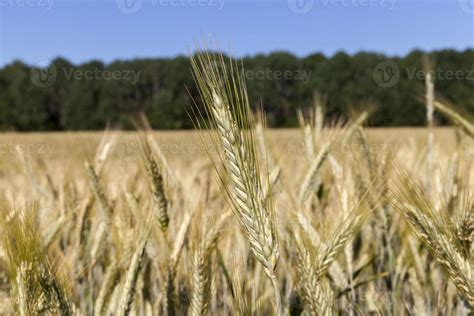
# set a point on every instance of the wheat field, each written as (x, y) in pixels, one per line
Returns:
(329, 219)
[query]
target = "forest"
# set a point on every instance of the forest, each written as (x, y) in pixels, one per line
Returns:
(90, 96)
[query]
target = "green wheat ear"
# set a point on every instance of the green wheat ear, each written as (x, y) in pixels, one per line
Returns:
(223, 91)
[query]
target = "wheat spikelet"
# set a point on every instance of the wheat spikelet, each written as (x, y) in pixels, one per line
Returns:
(458, 269)
(337, 242)
(179, 241)
(201, 282)
(411, 201)
(128, 291)
(309, 278)
(105, 211)
(311, 177)
(225, 97)
(335, 270)
(202, 268)
(160, 202)
(109, 282)
(98, 191)
(353, 127)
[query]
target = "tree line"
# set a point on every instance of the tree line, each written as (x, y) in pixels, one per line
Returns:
(92, 95)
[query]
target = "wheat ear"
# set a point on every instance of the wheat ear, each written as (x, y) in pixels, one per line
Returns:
(129, 290)
(179, 241)
(309, 278)
(226, 101)
(457, 119)
(444, 244)
(109, 282)
(311, 178)
(202, 268)
(335, 270)
(105, 211)
(458, 269)
(160, 202)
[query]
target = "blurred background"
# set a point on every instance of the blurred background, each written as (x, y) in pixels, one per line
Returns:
(83, 65)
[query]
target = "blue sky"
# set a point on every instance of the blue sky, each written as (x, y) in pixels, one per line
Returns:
(36, 31)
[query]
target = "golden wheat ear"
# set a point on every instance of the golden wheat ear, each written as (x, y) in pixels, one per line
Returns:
(456, 118)
(436, 232)
(156, 183)
(222, 89)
